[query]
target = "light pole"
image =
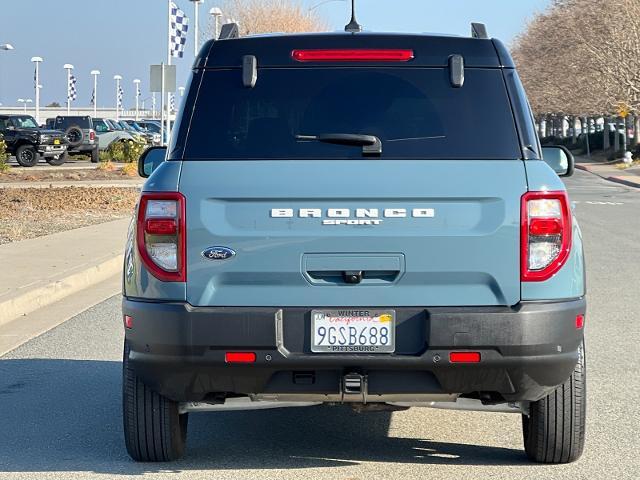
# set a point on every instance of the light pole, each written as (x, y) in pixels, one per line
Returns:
(196, 25)
(37, 61)
(181, 90)
(216, 13)
(137, 84)
(68, 67)
(95, 74)
(117, 78)
(24, 103)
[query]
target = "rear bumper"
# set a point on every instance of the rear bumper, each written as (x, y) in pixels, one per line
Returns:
(526, 351)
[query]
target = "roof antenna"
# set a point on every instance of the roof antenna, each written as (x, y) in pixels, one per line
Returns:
(354, 26)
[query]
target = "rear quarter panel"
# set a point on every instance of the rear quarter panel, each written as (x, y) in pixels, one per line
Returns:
(569, 282)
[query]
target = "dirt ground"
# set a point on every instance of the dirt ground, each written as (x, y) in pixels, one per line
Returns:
(63, 176)
(34, 212)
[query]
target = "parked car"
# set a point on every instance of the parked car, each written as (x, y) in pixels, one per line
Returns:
(152, 138)
(28, 142)
(364, 219)
(81, 136)
(140, 137)
(107, 135)
(153, 126)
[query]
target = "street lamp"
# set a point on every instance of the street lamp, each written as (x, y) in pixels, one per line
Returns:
(68, 67)
(95, 74)
(6, 46)
(216, 13)
(196, 7)
(137, 84)
(117, 78)
(181, 89)
(24, 103)
(37, 61)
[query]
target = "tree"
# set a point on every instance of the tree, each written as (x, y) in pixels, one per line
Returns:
(266, 16)
(54, 105)
(582, 58)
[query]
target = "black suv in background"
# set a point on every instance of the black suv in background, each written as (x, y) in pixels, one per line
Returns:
(81, 136)
(28, 142)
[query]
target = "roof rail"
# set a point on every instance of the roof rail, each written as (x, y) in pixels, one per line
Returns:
(479, 30)
(228, 31)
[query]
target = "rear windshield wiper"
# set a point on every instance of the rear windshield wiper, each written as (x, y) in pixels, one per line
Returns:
(371, 145)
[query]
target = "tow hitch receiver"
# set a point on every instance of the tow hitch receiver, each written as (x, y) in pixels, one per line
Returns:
(354, 388)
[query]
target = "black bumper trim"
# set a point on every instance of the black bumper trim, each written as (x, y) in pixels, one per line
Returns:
(527, 350)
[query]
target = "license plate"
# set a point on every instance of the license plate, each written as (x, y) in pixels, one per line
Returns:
(353, 331)
(56, 142)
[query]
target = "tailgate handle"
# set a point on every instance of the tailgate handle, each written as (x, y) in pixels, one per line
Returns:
(353, 269)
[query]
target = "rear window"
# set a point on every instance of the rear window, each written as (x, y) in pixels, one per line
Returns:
(415, 112)
(62, 123)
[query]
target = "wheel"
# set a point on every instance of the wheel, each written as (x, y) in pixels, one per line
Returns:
(554, 431)
(154, 431)
(75, 135)
(95, 155)
(57, 160)
(27, 155)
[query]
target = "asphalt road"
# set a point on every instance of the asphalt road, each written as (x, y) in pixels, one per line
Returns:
(60, 399)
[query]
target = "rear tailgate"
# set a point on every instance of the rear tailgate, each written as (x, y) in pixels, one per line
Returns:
(458, 243)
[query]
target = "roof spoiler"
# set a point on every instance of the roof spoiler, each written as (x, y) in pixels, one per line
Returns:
(479, 30)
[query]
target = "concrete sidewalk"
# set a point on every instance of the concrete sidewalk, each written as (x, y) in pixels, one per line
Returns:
(132, 183)
(629, 177)
(42, 271)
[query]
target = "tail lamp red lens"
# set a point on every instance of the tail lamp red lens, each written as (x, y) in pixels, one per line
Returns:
(240, 357)
(579, 322)
(353, 55)
(161, 235)
(92, 135)
(464, 357)
(128, 322)
(545, 234)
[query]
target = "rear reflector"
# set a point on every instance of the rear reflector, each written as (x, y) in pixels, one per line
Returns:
(128, 321)
(464, 357)
(351, 55)
(239, 357)
(579, 322)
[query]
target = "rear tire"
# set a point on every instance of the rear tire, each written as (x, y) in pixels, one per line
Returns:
(95, 155)
(554, 431)
(27, 156)
(154, 431)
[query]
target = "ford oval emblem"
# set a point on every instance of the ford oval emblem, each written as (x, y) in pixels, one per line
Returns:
(218, 253)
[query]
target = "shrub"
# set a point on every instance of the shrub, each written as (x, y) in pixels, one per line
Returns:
(124, 152)
(4, 166)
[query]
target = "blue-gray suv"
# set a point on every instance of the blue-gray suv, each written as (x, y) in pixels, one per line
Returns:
(354, 218)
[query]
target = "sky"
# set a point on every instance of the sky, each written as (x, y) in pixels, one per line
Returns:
(124, 37)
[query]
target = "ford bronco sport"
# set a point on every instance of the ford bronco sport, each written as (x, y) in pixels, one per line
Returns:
(364, 219)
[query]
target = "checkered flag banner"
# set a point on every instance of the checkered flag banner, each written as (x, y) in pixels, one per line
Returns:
(72, 93)
(172, 103)
(179, 26)
(93, 97)
(120, 96)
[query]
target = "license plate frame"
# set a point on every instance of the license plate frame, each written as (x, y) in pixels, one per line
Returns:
(362, 319)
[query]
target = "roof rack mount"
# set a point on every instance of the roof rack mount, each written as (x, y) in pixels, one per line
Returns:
(228, 31)
(479, 30)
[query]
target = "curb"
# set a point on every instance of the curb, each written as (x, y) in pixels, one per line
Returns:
(618, 180)
(45, 185)
(55, 291)
(623, 181)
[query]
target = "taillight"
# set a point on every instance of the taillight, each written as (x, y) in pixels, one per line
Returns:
(545, 234)
(92, 135)
(353, 55)
(161, 235)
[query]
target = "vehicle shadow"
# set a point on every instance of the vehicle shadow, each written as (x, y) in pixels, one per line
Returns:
(64, 415)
